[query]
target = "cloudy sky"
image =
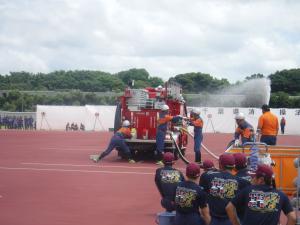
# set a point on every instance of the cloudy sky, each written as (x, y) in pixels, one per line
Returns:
(225, 38)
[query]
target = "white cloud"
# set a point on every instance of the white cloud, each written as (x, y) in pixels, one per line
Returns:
(227, 39)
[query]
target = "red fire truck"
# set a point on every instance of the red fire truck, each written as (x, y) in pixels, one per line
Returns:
(141, 107)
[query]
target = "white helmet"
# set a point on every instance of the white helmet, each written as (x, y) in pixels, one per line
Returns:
(165, 108)
(240, 116)
(196, 111)
(125, 123)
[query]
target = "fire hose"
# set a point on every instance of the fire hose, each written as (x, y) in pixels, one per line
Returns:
(185, 160)
(178, 150)
(203, 146)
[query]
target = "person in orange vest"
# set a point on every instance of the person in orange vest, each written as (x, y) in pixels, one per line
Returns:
(244, 129)
(268, 126)
(282, 124)
(197, 122)
(118, 140)
(162, 127)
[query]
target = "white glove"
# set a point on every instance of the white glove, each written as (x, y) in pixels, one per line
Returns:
(236, 143)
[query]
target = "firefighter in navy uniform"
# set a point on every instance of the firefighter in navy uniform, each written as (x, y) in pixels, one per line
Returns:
(189, 198)
(244, 129)
(118, 140)
(261, 202)
(164, 119)
(197, 122)
(166, 180)
(221, 187)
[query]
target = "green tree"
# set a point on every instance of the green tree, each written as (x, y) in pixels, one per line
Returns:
(280, 100)
(287, 81)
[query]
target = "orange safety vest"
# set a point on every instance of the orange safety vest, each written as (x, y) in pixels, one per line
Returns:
(268, 124)
(125, 131)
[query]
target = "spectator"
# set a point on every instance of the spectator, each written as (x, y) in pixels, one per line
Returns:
(240, 161)
(209, 168)
(261, 202)
(166, 180)
(221, 186)
(68, 126)
(282, 124)
(189, 198)
(82, 127)
(208, 165)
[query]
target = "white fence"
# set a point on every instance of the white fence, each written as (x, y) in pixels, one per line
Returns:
(222, 119)
(216, 119)
(92, 117)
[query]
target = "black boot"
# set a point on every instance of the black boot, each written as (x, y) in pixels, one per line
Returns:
(197, 157)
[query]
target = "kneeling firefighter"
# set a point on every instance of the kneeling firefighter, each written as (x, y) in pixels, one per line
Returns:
(118, 140)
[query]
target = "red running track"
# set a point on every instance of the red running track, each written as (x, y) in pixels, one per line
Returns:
(46, 178)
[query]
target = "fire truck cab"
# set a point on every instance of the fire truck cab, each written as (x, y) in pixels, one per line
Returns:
(141, 107)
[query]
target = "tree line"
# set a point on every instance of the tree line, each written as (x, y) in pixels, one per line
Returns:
(22, 91)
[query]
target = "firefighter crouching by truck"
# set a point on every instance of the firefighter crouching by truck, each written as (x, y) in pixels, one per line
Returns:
(118, 140)
(244, 129)
(164, 119)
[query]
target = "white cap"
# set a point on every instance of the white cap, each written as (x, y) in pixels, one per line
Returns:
(125, 123)
(240, 116)
(165, 108)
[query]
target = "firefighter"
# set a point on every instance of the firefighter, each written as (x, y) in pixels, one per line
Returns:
(268, 126)
(166, 180)
(189, 198)
(118, 140)
(261, 202)
(197, 122)
(244, 129)
(162, 127)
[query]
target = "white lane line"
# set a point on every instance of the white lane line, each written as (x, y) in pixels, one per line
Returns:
(84, 165)
(81, 171)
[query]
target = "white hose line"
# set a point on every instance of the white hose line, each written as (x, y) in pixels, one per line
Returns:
(204, 147)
